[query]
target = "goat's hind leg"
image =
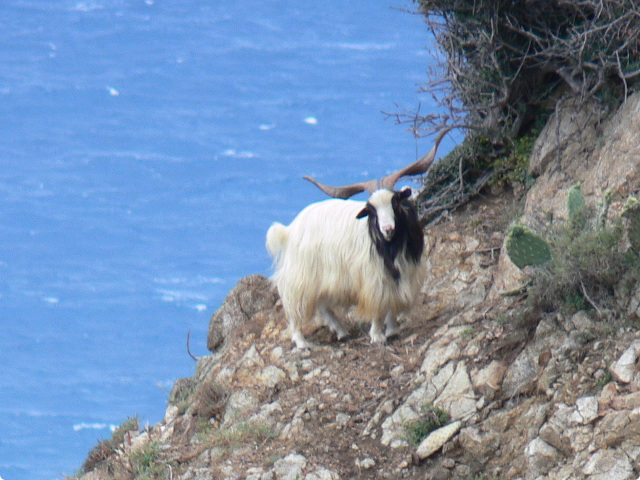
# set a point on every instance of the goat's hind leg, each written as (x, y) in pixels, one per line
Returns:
(333, 323)
(391, 325)
(295, 329)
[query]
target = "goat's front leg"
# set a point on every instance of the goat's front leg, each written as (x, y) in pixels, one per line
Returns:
(376, 333)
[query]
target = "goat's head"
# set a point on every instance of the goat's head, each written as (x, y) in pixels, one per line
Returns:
(384, 202)
(383, 208)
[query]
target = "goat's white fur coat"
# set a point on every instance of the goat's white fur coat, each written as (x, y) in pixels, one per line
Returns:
(325, 258)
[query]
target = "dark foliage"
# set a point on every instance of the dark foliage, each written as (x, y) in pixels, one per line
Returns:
(504, 61)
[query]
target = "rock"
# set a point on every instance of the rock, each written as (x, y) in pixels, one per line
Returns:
(239, 402)
(633, 310)
(609, 465)
(541, 457)
(393, 426)
(624, 368)
(290, 467)
(342, 418)
(581, 321)
(476, 443)
(252, 294)
(611, 429)
(365, 463)
(386, 408)
(573, 122)
(272, 376)
(458, 397)
(555, 430)
(441, 349)
(436, 439)
(626, 402)
(522, 374)
(322, 474)
(255, 474)
(586, 410)
(489, 380)
(396, 372)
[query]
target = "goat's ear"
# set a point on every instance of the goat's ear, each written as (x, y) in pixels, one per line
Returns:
(405, 193)
(364, 212)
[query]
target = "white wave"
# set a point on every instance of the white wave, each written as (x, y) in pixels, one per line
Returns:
(200, 307)
(361, 46)
(93, 426)
(232, 152)
(198, 280)
(181, 296)
(86, 7)
(310, 120)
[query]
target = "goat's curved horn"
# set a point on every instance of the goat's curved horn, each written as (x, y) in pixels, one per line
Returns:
(389, 181)
(417, 168)
(346, 191)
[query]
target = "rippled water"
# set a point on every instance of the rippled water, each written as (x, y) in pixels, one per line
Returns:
(145, 148)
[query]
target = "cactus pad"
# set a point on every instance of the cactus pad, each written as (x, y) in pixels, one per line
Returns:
(525, 247)
(575, 204)
(631, 211)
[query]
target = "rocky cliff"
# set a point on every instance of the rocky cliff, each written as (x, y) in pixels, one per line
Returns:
(508, 392)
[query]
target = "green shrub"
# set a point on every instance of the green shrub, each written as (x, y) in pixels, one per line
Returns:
(430, 419)
(105, 449)
(581, 262)
(146, 462)
(502, 62)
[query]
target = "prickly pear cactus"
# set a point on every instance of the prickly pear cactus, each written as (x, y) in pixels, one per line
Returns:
(631, 210)
(575, 204)
(525, 247)
(604, 209)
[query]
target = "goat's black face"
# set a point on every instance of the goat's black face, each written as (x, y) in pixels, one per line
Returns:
(393, 227)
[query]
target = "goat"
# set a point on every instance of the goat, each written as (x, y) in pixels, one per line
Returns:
(329, 256)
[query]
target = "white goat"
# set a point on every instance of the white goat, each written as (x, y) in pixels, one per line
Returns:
(329, 256)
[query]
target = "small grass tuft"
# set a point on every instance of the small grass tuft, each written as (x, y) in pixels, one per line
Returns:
(431, 418)
(105, 449)
(146, 462)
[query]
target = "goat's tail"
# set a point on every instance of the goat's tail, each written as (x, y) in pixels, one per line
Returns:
(277, 237)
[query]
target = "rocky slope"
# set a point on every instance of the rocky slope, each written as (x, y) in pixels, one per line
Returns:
(527, 395)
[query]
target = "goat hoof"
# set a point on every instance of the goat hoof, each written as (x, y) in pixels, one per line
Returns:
(302, 345)
(378, 339)
(342, 337)
(391, 334)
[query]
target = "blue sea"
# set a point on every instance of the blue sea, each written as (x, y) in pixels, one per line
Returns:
(145, 148)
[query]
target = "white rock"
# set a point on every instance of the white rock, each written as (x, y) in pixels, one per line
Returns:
(624, 368)
(587, 409)
(272, 376)
(541, 456)
(342, 418)
(394, 424)
(276, 353)
(170, 414)
(290, 467)
(365, 463)
(322, 474)
(396, 372)
(437, 439)
(240, 401)
(609, 465)
(441, 351)
(458, 397)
